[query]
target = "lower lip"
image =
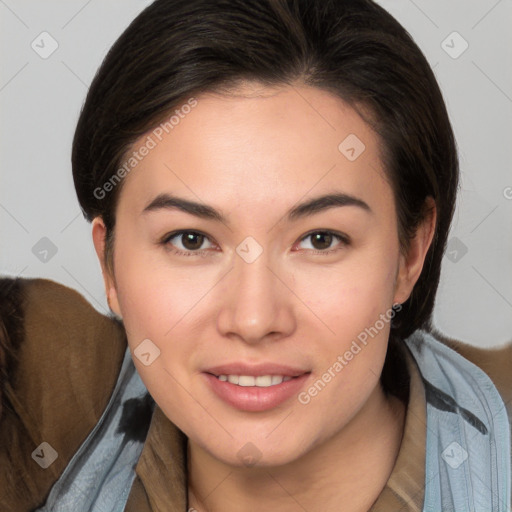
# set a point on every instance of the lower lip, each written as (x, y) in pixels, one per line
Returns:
(253, 398)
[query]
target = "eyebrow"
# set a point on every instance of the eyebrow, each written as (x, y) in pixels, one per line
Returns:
(204, 211)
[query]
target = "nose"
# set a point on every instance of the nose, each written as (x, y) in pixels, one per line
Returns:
(256, 304)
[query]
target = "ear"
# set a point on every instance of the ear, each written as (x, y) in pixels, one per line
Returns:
(99, 232)
(411, 263)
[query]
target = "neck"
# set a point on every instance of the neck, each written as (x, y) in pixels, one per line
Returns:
(352, 467)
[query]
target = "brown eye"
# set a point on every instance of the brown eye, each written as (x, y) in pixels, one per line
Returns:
(324, 241)
(321, 240)
(191, 241)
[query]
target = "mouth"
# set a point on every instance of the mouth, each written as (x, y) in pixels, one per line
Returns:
(255, 389)
(261, 381)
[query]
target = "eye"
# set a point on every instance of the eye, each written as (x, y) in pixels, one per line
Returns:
(188, 241)
(324, 241)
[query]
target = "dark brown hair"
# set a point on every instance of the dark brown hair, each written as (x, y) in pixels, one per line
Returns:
(176, 49)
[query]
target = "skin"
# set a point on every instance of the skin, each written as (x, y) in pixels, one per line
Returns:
(253, 155)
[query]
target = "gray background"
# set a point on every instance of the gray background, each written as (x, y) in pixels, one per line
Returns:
(44, 235)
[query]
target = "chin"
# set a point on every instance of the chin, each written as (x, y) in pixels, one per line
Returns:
(247, 451)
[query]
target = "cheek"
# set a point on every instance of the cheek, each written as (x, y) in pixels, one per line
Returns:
(356, 306)
(352, 303)
(350, 296)
(153, 296)
(156, 304)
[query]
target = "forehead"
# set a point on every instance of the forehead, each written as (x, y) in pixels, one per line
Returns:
(256, 145)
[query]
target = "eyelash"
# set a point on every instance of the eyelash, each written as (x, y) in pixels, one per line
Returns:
(343, 240)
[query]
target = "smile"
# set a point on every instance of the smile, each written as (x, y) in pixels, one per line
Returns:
(255, 393)
(261, 381)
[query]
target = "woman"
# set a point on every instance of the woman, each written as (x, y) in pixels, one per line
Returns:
(271, 186)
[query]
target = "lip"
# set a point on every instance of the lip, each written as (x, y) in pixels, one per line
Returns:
(256, 370)
(254, 398)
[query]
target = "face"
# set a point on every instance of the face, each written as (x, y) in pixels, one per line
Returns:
(261, 259)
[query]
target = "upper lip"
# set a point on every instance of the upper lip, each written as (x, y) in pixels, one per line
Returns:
(256, 370)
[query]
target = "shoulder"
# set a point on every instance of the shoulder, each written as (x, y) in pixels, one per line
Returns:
(57, 344)
(59, 361)
(495, 362)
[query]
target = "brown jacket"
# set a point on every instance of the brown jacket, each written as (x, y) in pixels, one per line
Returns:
(59, 360)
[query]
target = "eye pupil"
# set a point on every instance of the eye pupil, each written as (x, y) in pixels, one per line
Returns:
(321, 240)
(192, 241)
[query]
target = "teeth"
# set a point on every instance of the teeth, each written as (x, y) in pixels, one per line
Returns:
(233, 379)
(262, 381)
(246, 380)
